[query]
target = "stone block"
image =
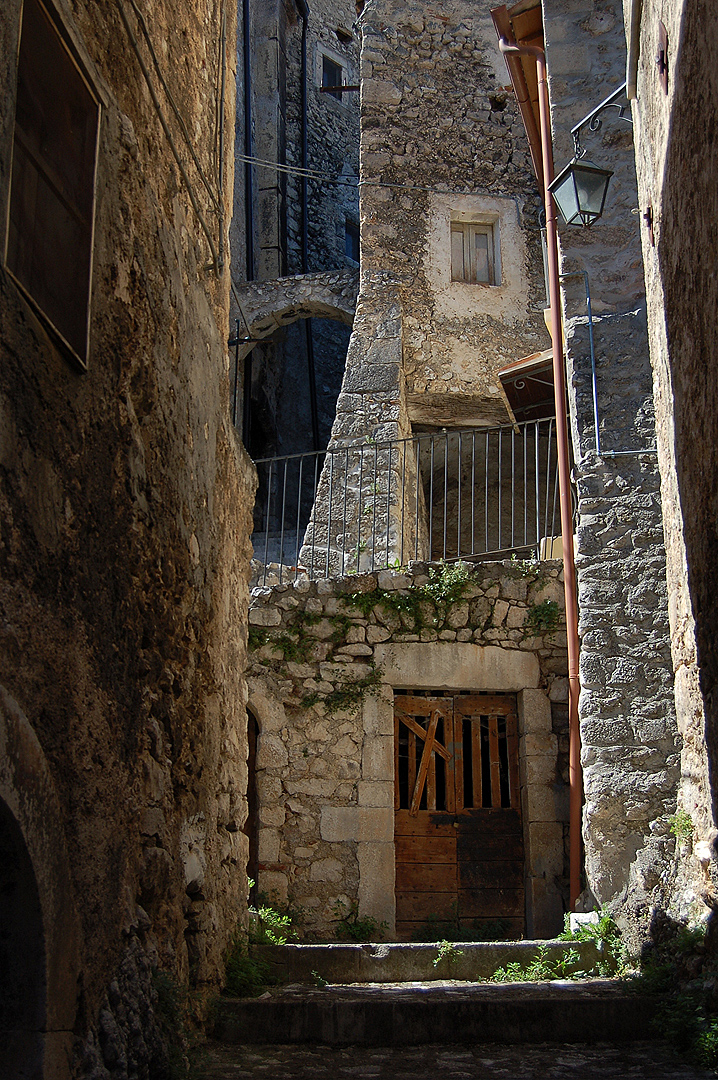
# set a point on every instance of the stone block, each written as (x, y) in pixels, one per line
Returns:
(378, 757)
(338, 823)
(268, 846)
(534, 711)
(378, 715)
(538, 743)
(544, 857)
(515, 617)
(375, 793)
(544, 908)
(326, 870)
(376, 824)
(271, 752)
(274, 884)
(460, 665)
(265, 616)
(540, 769)
(376, 882)
(538, 803)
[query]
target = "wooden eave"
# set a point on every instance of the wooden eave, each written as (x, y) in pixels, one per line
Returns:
(522, 24)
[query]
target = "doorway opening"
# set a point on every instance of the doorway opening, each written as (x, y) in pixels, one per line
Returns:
(251, 826)
(22, 957)
(457, 814)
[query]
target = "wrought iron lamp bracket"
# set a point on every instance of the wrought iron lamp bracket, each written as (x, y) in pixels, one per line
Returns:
(593, 120)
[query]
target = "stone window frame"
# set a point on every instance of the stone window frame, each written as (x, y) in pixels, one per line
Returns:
(335, 57)
(68, 41)
(459, 299)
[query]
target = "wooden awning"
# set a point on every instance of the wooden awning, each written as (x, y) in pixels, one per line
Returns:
(528, 385)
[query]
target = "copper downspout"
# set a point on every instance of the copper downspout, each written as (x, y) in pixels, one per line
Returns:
(564, 471)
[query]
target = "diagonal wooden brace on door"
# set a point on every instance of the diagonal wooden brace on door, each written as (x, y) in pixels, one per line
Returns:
(419, 731)
(429, 747)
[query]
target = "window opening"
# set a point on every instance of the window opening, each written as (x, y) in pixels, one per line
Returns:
(52, 188)
(473, 253)
(351, 240)
(332, 76)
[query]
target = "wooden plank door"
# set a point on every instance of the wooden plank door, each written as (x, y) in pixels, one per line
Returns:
(459, 847)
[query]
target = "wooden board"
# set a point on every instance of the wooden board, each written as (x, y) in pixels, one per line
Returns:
(455, 863)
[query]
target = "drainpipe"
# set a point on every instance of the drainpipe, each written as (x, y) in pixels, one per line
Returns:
(303, 9)
(559, 379)
(633, 23)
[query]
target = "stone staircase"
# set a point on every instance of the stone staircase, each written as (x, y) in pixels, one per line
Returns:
(396, 995)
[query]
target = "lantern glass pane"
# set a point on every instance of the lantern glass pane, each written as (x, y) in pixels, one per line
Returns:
(566, 199)
(591, 187)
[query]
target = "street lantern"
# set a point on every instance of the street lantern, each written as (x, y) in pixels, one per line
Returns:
(580, 191)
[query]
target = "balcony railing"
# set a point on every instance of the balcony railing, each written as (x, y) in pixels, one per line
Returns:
(472, 494)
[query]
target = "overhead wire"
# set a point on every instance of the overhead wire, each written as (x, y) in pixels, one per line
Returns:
(217, 258)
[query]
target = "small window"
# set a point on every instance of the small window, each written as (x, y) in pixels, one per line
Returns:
(351, 240)
(332, 76)
(52, 189)
(473, 256)
(344, 36)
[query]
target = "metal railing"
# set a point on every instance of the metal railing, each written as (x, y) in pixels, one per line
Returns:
(451, 495)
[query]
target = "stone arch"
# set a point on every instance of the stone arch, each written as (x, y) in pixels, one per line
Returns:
(269, 305)
(36, 869)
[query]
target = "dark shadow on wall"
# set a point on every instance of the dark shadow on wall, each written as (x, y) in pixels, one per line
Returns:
(688, 256)
(22, 958)
(281, 409)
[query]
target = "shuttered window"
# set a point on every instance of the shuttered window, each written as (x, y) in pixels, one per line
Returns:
(472, 253)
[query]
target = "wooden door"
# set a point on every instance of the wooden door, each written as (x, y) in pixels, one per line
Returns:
(459, 844)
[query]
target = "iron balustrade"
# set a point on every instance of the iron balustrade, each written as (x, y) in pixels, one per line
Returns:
(471, 494)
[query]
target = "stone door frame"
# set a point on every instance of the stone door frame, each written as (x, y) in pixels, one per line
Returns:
(458, 666)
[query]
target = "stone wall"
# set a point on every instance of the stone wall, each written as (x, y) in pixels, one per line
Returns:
(441, 140)
(626, 706)
(426, 350)
(675, 160)
(321, 675)
(125, 504)
(281, 367)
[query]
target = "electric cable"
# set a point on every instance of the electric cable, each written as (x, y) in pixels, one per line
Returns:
(217, 262)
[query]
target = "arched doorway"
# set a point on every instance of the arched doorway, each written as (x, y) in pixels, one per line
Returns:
(22, 958)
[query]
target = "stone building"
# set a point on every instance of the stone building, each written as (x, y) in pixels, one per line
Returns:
(626, 705)
(433, 341)
(344, 676)
(125, 511)
(674, 90)
(296, 212)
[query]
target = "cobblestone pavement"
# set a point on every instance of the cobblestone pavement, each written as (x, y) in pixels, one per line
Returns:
(636, 1061)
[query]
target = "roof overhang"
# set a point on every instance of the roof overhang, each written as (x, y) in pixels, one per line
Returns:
(522, 24)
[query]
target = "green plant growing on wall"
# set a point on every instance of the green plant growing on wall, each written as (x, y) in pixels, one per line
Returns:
(257, 637)
(349, 692)
(528, 568)
(542, 967)
(244, 975)
(448, 951)
(446, 586)
(680, 825)
(542, 618)
(353, 927)
(614, 956)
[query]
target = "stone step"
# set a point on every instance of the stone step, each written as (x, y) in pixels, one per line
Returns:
(413, 1014)
(395, 962)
